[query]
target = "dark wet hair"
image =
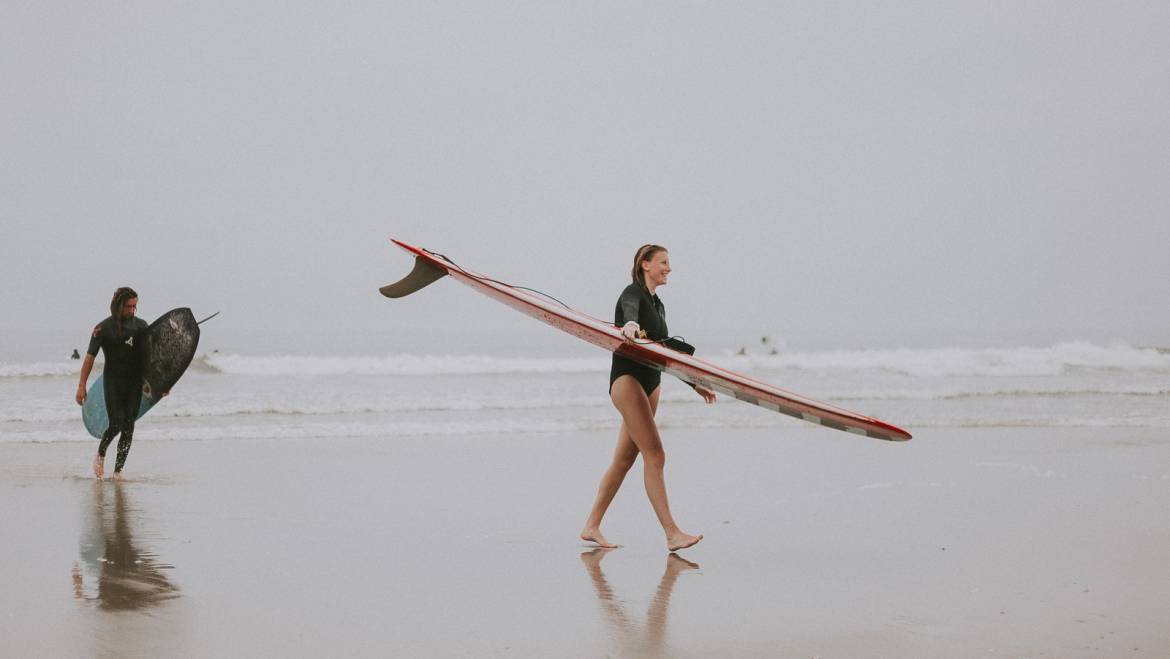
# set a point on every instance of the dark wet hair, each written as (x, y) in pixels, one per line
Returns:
(644, 253)
(120, 296)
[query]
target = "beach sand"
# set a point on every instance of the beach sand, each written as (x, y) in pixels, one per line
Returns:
(1001, 542)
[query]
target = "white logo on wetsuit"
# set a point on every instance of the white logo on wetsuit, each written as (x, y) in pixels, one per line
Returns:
(130, 342)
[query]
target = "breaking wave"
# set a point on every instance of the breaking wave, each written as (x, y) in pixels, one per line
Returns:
(1075, 356)
(1070, 357)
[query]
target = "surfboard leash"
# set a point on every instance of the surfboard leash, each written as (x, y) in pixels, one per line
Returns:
(664, 342)
(502, 283)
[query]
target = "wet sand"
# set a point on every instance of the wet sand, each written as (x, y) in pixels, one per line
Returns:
(1000, 542)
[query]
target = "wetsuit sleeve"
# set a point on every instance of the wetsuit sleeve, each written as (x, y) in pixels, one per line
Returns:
(143, 353)
(628, 306)
(95, 341)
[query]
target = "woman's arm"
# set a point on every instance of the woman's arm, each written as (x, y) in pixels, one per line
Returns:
(629, 304)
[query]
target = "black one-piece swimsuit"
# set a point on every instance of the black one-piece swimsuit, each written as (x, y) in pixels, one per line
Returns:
(637, 304)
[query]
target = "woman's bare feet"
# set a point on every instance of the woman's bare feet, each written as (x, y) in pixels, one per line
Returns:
(679, 540)
(99, 466)
(594, 535)
(118, 477)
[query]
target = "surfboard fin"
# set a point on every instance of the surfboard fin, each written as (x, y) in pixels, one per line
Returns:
(422, 275)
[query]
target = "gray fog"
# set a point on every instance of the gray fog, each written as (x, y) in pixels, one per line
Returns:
(829, 174)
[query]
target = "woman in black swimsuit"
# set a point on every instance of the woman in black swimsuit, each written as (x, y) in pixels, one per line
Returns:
(633, 388)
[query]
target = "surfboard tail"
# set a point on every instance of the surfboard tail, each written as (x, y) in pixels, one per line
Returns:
(422, 275)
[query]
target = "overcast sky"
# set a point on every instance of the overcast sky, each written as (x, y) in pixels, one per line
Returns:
(874, 173)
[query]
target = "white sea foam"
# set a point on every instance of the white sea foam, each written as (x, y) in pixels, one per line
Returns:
(941, 362)
(401, 364)
(42, 369)
(1071, 384)
(388, 430)
(977, 390)
(228, 406)
(1058, 359)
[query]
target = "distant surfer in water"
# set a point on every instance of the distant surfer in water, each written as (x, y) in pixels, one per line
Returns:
(122, 337)
(634, 389)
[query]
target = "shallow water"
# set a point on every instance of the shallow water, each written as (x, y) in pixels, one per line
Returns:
(249, 397)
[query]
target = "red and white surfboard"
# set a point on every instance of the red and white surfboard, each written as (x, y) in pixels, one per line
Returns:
(431, 266)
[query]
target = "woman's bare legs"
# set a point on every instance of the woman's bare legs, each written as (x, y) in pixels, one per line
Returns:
(624, 455)
(623, 458)
(639, 434)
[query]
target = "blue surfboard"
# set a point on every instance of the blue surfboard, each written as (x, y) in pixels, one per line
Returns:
(174, 337)
(93, 413)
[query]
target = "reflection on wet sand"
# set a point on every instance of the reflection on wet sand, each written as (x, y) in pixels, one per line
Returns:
(113, 571)
(634, 639)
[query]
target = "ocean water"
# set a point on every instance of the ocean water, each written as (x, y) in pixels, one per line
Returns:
(246, 396)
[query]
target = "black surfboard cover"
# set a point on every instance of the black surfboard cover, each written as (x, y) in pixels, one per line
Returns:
(174, 337)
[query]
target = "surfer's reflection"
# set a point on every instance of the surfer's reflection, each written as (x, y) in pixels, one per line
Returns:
(114, 572)
(634, 639)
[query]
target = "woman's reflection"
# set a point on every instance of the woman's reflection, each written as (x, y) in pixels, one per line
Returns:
(114, 571)
(650, 642)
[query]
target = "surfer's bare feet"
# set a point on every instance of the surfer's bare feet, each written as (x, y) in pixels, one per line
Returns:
(679, 540)
(118, 477)
(594, 535)
(99, 466)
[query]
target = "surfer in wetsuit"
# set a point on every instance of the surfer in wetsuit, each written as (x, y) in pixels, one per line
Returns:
(123, 339)
(634, 390)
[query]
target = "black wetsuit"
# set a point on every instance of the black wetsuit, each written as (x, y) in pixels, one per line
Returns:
(637, 304)
(125, 351)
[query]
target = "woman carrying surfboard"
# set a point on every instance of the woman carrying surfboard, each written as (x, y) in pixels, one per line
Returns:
(122, 337)
(634, 390)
